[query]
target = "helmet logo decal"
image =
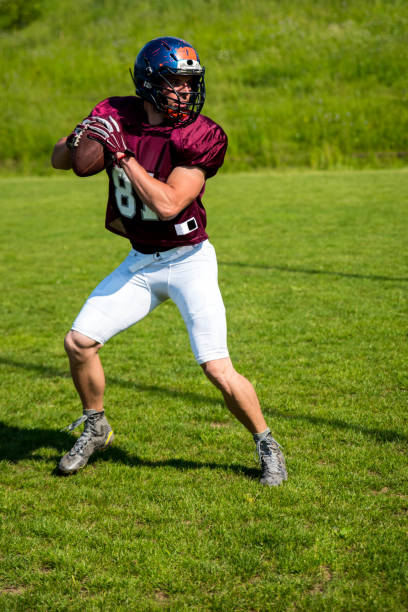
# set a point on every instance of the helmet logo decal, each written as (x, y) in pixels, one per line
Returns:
(186, 53)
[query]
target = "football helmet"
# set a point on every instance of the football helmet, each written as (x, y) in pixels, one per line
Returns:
(157, 62)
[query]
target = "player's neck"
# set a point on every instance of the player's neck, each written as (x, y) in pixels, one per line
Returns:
(153, 117)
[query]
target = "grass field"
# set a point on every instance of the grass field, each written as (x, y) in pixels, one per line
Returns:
(314, 273)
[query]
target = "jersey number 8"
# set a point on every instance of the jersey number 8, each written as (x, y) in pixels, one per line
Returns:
(127, 199)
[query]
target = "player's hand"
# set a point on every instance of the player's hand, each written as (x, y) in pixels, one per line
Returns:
(109, 133)
(76, 135)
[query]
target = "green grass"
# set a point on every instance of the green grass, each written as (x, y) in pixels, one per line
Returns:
(313, 269)
(295, 83)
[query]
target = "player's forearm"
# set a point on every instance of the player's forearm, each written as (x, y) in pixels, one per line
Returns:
(158, 196)
(61, 156)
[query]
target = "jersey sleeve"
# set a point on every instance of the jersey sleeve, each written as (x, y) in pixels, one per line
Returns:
(203, 145)
(116, 107)
(102, 109)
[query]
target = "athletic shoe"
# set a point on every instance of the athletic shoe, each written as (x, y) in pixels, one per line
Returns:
(273, 466)
(97, 436)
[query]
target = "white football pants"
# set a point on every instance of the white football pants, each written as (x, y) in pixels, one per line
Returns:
(187, 275)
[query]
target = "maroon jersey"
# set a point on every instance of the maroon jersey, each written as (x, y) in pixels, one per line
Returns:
(159, 149)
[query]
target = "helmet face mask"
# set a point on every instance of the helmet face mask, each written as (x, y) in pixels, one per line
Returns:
(158, 72)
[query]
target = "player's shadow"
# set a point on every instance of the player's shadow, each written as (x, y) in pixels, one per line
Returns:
(19, 443)
(118, 455)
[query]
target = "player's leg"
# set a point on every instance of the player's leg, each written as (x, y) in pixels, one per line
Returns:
(121, 300)
(86, 369)
(195, 290)
(238, 393)
(243, 403)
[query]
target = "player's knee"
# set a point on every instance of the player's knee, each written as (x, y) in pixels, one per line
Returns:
(79, 347)
(220, 373)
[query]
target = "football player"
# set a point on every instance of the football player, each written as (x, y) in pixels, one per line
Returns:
(162, 151)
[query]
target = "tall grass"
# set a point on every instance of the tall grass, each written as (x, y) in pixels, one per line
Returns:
(294, 83)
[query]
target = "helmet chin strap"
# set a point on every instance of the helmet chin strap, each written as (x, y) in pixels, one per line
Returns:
(177, 116)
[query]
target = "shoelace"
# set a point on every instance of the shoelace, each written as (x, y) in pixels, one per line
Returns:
(75, 424)
(84, 437)
(268, 458)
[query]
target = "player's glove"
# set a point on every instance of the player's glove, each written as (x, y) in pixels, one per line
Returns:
(109, 133)
(76, 135)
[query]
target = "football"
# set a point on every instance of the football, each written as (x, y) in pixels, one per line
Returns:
(88, 157)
